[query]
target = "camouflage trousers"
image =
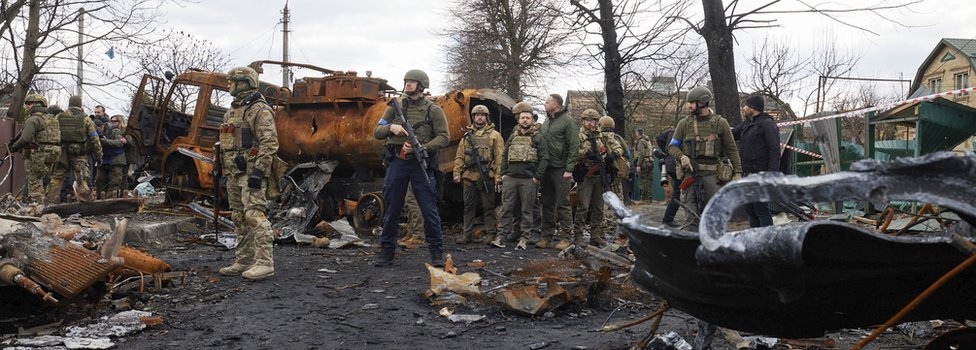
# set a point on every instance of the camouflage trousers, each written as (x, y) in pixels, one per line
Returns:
(78, 164)
(415, 220)
(40, 162)
(109, 181)
(249, 206)
(589, 210)
(646, 178)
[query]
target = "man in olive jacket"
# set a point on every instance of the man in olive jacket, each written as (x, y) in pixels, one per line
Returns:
(524, 164)
(562, 140)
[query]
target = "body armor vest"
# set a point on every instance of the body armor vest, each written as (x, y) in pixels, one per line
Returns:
(521, 149)
(708, 145)
(72, 126)
(51, 134)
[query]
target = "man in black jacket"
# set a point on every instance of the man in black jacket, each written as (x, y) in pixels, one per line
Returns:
(668, 176)
(759, 149)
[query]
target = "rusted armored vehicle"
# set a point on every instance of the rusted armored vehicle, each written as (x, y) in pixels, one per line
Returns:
(325, 131)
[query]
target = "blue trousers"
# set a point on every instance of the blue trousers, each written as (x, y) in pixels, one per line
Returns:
(759, 214)
(400, 174)
(673, 205)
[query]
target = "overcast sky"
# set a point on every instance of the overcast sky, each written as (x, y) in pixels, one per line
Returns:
(391, 37)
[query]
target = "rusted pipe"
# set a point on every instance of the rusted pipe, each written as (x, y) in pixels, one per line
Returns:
(918, 300)
(12, 275)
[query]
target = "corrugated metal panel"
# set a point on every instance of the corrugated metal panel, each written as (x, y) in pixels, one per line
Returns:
(8, 129)
(943, 125)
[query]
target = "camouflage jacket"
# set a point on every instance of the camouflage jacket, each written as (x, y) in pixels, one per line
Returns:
(114, 149)
(248, 136)
(490, 146)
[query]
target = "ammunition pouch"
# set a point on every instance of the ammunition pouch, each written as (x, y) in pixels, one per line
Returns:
(724, 170)
(246, 138)
(241, 163)
(389, 152)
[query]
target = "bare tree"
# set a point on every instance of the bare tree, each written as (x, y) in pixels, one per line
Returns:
(721, 20)
(827, 64)
(175, 52)
(777, 72)
(630, 31)
(46, 36)
(504, 44)
(688, 67)
(865, 96)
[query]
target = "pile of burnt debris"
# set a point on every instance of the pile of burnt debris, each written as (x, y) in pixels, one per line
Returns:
(48, 261)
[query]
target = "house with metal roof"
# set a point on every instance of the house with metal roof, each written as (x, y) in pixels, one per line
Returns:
(940, 124)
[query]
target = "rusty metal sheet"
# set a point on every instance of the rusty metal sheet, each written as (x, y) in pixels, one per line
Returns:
(526, 300)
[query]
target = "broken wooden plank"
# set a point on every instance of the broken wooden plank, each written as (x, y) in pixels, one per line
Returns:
(100, 207)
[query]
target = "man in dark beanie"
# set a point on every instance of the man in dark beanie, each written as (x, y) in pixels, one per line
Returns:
(759, 149)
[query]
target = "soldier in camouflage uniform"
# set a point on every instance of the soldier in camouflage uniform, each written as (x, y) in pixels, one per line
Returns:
(622, 164)
(589, 192)
(523, 165)
(430, 125)
(41, 136)
(489, 145)
(248, 143)
(711, 136)
(77, 133)
(112, 170)
(414, 237)
(643, 151)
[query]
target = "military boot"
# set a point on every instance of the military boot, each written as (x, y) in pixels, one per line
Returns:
(384, 258)
(234, 270)
(436, 257)
(497, 242)
(563, 244)
(543, 243)
(597, 240)
(464, 239)
(258, 272)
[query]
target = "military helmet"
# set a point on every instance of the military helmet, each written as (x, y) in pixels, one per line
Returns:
(521, 107)
(245, 74)
(36, 98)
(590, 113)
(700, 94)
(74, 101)
(417, 75)
(480, 109)
(606, 122)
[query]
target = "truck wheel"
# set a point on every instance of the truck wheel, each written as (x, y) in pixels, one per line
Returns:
(369, 211)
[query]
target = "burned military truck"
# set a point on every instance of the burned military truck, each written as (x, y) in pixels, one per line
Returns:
(325, 133)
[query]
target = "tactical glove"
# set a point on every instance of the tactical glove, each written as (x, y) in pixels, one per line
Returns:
(254, 180)
(686, 162)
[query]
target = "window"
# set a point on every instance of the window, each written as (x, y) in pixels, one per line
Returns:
(961, 81)
(935, 85)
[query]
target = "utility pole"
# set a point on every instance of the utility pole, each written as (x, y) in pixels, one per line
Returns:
(81, 39)
(285, 70)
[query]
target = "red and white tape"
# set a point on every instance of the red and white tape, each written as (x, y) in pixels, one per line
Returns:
(794, 149)
(886, 106)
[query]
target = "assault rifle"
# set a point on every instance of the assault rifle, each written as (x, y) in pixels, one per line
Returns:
(698, 192)
(476, 157)
(594, 155)
(418, 148)
(217, 173)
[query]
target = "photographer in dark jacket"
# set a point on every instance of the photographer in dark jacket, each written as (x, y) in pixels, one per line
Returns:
(758, 139)
(668, 164)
